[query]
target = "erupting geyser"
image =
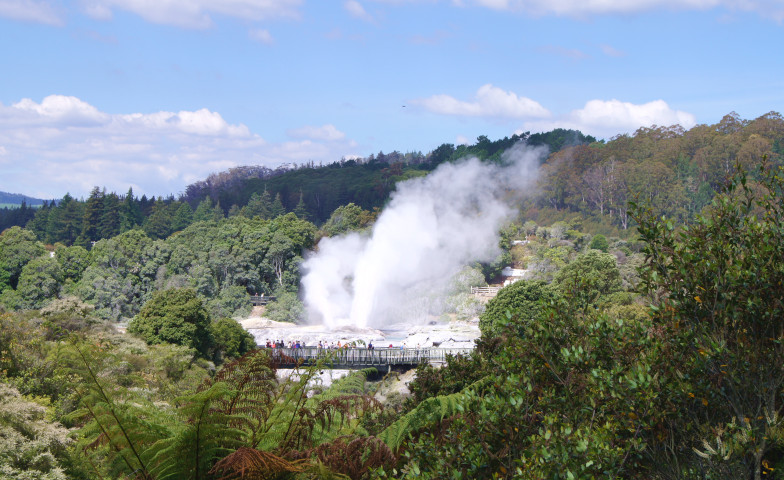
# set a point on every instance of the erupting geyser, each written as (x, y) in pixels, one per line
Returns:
(432, 227)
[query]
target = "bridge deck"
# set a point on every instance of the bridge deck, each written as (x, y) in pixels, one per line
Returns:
(357, 358)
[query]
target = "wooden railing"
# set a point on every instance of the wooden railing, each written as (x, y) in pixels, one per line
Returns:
(260, 299)
(355, 358)
(490, 291)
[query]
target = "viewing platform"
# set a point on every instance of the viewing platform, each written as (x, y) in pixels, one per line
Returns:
(358, 358)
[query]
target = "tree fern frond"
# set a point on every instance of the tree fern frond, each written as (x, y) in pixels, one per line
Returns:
(355, 456)
(428, 412)
(205, 436)
(248, 463)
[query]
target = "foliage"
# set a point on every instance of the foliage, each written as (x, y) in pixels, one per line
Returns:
(599, 242)
(345, 219)
(39, 282)
(175, 316)
(718, 283)
(286, 307)
(229, 339)
(17, 247)
(31, 446)
(525, 299)
(590, 277)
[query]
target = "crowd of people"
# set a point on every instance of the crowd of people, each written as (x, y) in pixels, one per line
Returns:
(294, 344)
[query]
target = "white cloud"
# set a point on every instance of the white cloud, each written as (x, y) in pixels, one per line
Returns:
(194, 13)
(64, 144)
(356, 10)
(30, 11)
(489, 101)
(325, 132)
(611, 51)
(604, 118)
(577, 8)
(261, 35)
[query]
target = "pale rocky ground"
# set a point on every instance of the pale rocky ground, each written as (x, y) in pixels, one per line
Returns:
(453, 334)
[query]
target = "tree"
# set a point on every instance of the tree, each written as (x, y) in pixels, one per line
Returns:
(523, 299)
(258, 206)
(93, 213)
(230, 340)
(159, 223)
(277, 209)
(599, 242)
(111, 219)
(718, 285)
(345, 219)
(301, 210)
(183, 217)
(175, 316)
(590, 277)
(130, 212)
(286, 307)
(40, 281)
(17, 247)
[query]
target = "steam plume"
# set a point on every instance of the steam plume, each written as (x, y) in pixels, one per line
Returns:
(431, 228)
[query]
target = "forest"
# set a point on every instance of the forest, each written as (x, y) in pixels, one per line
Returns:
(645, 342)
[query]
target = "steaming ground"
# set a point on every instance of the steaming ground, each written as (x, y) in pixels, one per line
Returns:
(432, 227)
(454, 334)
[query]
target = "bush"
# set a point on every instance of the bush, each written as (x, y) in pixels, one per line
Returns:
(174, 316)
(524, 298)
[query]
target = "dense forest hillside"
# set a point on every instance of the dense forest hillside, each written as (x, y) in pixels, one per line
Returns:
(645, 340)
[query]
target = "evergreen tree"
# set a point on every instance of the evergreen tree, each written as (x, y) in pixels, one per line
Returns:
(183, 217)
(301, 210)
(205, 212)
(65, 222)
(38, 223)
(277, 209)
(258, 206)
(110, 220)
(130, 213)
(159, 223)
(93, 211)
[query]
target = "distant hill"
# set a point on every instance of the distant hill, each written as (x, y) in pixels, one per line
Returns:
(11, 199)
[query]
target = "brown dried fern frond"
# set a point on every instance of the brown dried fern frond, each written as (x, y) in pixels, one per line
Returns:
(251, 464)
(355, 456)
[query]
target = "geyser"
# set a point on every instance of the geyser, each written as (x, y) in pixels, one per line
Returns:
(431, 228)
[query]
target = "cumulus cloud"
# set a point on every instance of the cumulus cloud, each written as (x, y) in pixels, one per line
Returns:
(63, 144)
(30, 11)
(194, 13)
(490, 101)
(325, 132)
(603, 118)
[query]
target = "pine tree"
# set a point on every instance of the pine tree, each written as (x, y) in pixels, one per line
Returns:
(258, 206)
(110, 220)
(183, 217)
(277, 209)
(93, 211)
(130, 213)
(301, 210)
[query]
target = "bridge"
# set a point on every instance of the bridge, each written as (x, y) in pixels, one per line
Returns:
(358, 358)
(257, 300)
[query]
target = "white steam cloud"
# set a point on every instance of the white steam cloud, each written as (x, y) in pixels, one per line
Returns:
(432, 227)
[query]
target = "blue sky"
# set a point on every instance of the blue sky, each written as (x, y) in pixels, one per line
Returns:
(156, 94)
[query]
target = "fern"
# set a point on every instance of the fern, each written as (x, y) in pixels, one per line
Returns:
(248, 463)
(204, 437)
(122, 428)
(429, 412)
